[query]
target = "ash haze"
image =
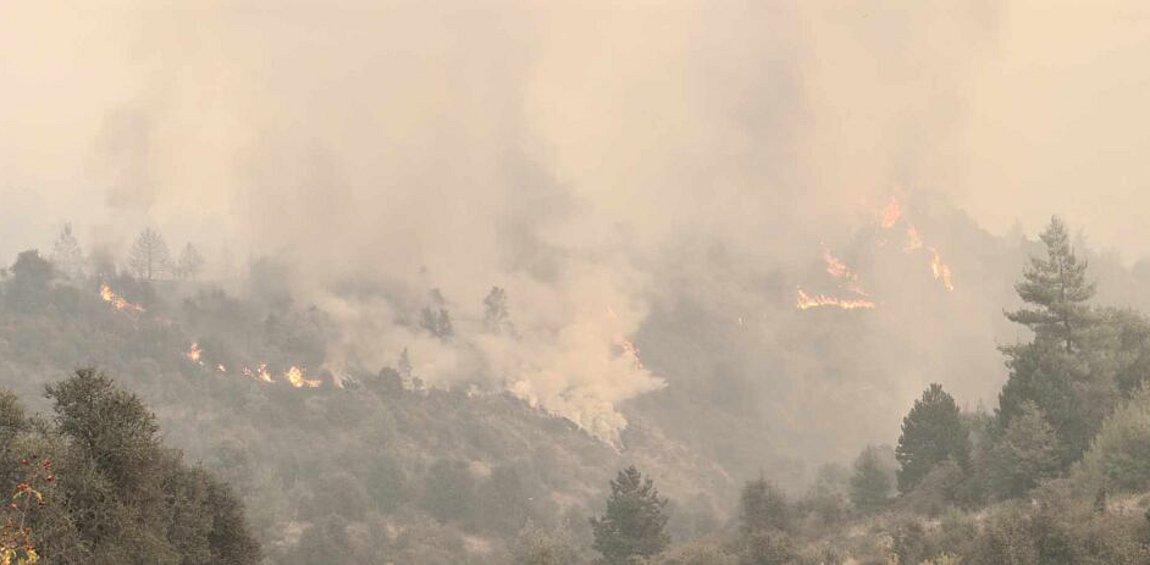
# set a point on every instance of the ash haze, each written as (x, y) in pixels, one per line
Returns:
(649, 183)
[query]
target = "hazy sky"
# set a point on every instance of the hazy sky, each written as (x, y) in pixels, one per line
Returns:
(556, 148)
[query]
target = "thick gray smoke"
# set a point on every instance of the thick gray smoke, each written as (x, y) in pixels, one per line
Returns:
(568, 153)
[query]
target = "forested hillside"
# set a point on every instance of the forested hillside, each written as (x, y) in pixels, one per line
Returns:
(352, 466)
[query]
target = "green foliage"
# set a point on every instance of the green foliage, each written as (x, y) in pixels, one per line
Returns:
(763, 507)
(701, 552)
(449, 491)
(536, 546)
(635, 522)
(116, 495)
(1057, 289)
(1119, 457)
(1024, 456)
(932, 433)
(1059, 528)
(770, 547)
(871, 483)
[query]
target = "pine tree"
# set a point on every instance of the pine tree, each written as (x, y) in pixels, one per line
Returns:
(149, 258)
(1025, 455)
(870, 482)
(190, 263)
(634, 525)
(66, 254)
(435, 318)
(1058, 290)
(496, 317)
(933, 432)
(763, 507)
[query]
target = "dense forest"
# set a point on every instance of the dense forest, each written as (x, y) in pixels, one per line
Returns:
(254, 455)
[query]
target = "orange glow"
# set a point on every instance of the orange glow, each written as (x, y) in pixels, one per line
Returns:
(630, 350)
(807, 301)
(194, 353)
(891, 214)
(116, 300)
(836, 268)
(913, 239)
(295, 376)
(941, 270)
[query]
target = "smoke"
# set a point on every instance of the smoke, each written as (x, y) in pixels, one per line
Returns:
(591, 160)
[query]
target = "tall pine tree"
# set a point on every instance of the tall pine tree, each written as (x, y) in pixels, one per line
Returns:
(1057, 291)
(635, 524)
(933, 432)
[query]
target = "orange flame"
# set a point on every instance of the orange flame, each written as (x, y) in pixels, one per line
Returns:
(836, 268)
(261, 373)
(295, 376)
(839, 270)
(807, 301)
(913, 239)
(630, 350)
(941, 270)
(891, 214)
(194, 354)
(116, 300)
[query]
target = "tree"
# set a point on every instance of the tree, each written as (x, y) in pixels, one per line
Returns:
(496, 317)
(1057, 289)
(31, 276)
(763, 507)
(764, 521)
(148, 258)
(1119, 456)
(1025, 455)
(32, 270)
(635, 523)
(190, 263)
(66, 254)
(535, 546)
(932, 433)
(870, 481)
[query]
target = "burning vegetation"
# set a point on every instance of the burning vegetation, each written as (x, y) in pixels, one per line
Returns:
(851, 295)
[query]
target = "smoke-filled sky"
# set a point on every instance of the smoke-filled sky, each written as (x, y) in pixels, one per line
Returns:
(718, 115)
(557, 148)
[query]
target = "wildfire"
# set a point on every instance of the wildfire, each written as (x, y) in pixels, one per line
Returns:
(941, 270)
(630, 350)
(116, 300)
(194, 353)
(839, 270)
(836, 268)
(295, 376)
(261, 373)
(913, 239)
(807, 301)
(891, 214)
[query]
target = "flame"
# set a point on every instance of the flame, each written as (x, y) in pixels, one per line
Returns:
(913, 239)
(839, 270)
(630, 350)
(807, 301)
(295, 376)
(116, 300)
(221, 368)
(194, 353)
(836, 268)
(941, 270)
(891, 214)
